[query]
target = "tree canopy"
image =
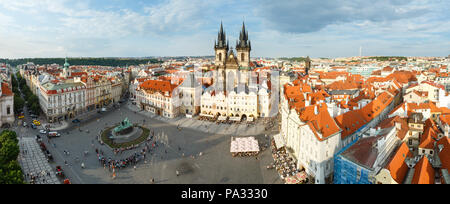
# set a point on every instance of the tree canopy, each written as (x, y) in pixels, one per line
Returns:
(10, 170)
(113, 62)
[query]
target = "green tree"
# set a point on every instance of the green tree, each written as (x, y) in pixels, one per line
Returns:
(10, 170)
(18, 103)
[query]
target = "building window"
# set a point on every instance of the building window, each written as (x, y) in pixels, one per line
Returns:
(8, 110)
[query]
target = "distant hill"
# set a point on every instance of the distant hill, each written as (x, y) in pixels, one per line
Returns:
(388, 58)
(298, 59)
(113, 62)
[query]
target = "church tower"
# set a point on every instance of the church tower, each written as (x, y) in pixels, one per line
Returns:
(66, 71)
(243, 48)
(221, 48)
(307, 65)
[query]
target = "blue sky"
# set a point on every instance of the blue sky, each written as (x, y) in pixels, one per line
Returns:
(326, 28)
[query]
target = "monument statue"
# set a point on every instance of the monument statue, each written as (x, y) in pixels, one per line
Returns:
(125, 127)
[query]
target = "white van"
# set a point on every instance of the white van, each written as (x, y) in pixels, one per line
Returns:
(54, 134)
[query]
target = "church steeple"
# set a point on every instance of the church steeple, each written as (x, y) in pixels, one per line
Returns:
(221, 42)
(66, 64)
(243, 38)
(243, 48)
(221, 46)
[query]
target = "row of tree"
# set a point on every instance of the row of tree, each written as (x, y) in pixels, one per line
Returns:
(32, 100)
(113, 62)
(389, 58)
(297, 59)
(10, 170)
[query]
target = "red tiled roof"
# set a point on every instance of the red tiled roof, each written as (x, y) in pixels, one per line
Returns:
(445, 119)
(390, 122)
(397, 166)
(402, 76)
(6, 91)
(444, 155)
(321, 122)
(430, 134)
(158, 86)
(424, 172)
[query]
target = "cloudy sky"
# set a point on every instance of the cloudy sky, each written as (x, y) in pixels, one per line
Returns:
(126, 28)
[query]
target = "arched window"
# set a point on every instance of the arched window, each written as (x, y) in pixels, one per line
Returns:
(220, 56)
(242, 57)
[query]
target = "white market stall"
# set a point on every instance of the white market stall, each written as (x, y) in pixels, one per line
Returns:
(244, 146)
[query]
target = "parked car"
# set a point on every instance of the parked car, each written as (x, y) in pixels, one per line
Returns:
(36, 122)
(24, 124)
(42, 131)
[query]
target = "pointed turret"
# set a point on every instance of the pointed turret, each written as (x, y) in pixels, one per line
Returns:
(221, 39)
(243, 38)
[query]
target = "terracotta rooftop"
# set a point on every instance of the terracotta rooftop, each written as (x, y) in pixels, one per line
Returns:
(397, 166)
(6, 91)
(320, 122)
(430, 135)
(424, 172)
(444, 155)
(158, 86)
(445, 119)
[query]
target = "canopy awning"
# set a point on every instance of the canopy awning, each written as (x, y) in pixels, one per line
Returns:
(244, 144)
(206, 115)
(235, 118)
(222, 118)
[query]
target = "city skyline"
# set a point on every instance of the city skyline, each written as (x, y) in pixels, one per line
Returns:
(188, 28)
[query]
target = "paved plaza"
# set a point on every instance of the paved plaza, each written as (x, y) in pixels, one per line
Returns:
(200, 151)
(34, 162)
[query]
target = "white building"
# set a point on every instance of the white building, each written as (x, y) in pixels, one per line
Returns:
(6, 105)
(62, 100)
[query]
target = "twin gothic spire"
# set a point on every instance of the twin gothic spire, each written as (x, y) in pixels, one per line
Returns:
(223, 43)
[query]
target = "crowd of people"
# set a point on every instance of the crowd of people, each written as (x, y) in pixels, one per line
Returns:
(116, 164)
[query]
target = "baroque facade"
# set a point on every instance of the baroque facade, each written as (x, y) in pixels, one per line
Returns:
(236, 93)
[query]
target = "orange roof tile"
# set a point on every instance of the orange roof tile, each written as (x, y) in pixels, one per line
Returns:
(158, 86)
(6, 91)
(424, 172)
(444, 155)
(321, 122)
(445, 119)
(397, 166)
(430, 134)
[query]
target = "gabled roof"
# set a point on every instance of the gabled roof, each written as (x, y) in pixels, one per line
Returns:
(430, 135)
(390, 122)
(445, 119)
(158, 86)
(424, 172)
(444, 155)
(321, 123)
(363, 152)
(6, 91)
(350, 122)
(397, 166)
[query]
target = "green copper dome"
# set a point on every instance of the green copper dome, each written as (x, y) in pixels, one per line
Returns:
(66, 64)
